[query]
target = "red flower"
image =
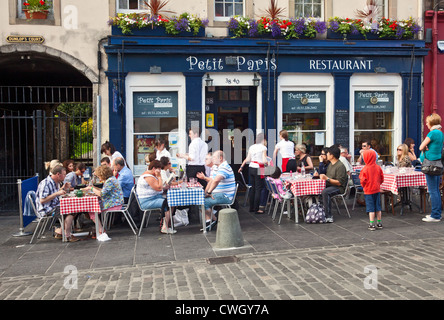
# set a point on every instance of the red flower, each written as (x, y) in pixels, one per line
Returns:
(26, 4)
(42, 2)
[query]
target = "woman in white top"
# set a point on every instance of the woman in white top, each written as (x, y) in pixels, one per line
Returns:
(285, 148)
(161, 150)
(109, 149)
(149, 190)
(257, 156)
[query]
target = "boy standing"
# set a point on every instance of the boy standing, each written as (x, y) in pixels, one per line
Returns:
(372, 177)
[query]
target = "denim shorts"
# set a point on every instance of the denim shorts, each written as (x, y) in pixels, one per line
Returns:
(219, 198)
(373, 202)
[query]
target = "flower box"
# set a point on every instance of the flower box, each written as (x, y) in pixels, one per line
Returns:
(339, 36)
(159, 31)
(37, 15)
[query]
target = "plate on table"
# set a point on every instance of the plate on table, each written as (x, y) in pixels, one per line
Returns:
(80, 186)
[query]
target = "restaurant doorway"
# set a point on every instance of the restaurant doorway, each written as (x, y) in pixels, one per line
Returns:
(234, 107)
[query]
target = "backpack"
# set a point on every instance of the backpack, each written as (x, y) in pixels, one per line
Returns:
(315, 214)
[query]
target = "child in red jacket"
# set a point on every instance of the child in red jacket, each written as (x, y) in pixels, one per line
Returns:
(372, 177)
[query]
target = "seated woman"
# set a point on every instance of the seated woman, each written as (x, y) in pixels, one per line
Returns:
(323, 162)
(303, 158)
(167, 173)
(149, 191)
(402, 158)
(111, 194)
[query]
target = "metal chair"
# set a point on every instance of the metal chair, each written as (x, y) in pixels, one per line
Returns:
(281, 200)
(145, 212)
(246, 186)
(225, 205)
(342, 196)
(357, 186)
(107, 215)
(270, 197)
(42, 220)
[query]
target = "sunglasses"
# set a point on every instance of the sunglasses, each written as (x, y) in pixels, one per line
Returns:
(399, 149)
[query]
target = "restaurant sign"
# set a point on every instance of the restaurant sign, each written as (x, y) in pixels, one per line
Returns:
(374, 101)
(303, 101)
(155, 104)
(25, 39)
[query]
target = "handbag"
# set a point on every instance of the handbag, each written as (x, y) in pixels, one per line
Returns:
(432, 167)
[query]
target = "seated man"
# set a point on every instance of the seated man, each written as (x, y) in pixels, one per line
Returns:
(47, 198)
(336, 178)
(75, 177)
(125, 178)
(220, 188)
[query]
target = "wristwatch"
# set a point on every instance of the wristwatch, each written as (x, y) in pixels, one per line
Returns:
(328, 179)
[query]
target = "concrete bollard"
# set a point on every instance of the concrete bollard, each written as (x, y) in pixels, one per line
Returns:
(229, 233)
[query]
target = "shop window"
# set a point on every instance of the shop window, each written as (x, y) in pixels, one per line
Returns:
(234, 94)
(223, 9)
(155, 116)
(304, 118)
(374, 122)
(309, 8)
(125, 6)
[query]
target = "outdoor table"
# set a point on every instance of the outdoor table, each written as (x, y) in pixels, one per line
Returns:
(192, 194)
(394, 181)
(304, 187)
(73, 204)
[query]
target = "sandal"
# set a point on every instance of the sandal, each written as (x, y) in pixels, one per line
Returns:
(72, 239)
(92, 235)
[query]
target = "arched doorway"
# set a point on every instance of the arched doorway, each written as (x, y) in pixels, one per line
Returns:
(34, 82)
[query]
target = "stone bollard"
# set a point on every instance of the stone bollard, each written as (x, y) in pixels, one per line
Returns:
(229, 233)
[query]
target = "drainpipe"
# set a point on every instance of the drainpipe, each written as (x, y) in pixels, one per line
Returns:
(435, 58)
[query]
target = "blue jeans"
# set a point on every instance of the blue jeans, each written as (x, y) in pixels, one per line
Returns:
(153, 203)
(219, 198)
(433, 183)
(373, 202)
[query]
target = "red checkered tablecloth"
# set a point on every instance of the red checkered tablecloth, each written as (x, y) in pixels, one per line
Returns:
(358, 168)
(393, 182)
(83, 204)
(305, 187)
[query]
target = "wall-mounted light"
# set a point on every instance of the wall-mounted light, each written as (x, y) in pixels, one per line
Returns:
(380, 70)
(155, 70)
(208, 81)
(256, 81)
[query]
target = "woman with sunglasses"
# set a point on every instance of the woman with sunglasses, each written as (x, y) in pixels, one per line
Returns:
(402, 157)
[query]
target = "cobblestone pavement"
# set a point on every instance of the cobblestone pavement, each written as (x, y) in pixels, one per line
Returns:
(410, 269)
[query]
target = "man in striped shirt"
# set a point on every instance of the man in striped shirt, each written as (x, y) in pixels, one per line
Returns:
(221, 187)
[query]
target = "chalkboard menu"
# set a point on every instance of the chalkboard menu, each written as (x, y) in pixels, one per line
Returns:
(342, 127)
(374, 101)
(194, 117)
(303, 101)
(155, 104)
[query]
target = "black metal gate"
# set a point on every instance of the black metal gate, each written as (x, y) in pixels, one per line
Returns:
(29, 139)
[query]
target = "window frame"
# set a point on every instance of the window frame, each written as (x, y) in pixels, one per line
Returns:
(293, 9)
(118, 10)
(226, 18)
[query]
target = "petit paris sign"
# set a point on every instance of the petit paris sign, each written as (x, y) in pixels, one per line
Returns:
(25, 39)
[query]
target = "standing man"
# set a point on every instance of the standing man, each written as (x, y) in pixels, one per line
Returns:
(336, 178)
(48, 202)
(197, 151)
(125, 178)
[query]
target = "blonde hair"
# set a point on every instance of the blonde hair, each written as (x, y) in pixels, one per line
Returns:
(301, 148)
(103, 172)
(405, 151)
(433, 119)
(50, 165)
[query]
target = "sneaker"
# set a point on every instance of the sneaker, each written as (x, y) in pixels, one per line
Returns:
(372, 227)
(329, 220)
(430, 219)
(171, 231)
(379, 226)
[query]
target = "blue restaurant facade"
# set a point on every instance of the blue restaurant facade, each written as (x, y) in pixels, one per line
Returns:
(321, 91)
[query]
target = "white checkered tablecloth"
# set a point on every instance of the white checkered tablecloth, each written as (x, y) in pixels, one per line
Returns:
(177, 196)
(83, 204)
(393, 182)
(305, 187)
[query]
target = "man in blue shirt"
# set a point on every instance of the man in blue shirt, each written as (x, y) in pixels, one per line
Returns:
(125, 178)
